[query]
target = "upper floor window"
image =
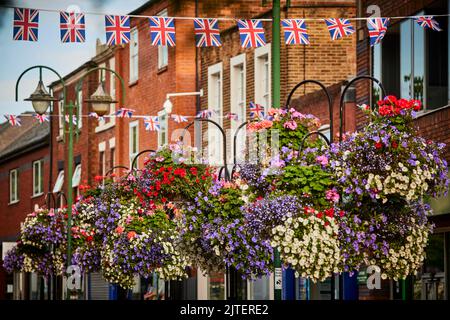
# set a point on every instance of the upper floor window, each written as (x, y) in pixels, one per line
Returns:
(215, 103)
(80, 109)
(134, 61)
(112, 88)
(413, 62)
(61, 117)
(134, 141)
(238, 105)
(13, 186)
(163, 133)
(163, 51)
(38, 177)
(262, 76)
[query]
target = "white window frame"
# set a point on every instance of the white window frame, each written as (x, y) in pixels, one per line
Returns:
(238, 103)
(263, 61)
(164, 128)
(14, 186)
(134, 54)
(215, 92)
(80, 109)
(112, 150)
(163, 51)
(61, 118)
(132, 155)
(102, 154)
(40, 177)
(76, 177)
(112, 90)
(59, 182)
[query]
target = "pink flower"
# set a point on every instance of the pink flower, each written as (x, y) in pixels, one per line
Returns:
(332, 195)
(323, 160)
(51, 212)
(120, 229)
(159, 159)
(290, 125)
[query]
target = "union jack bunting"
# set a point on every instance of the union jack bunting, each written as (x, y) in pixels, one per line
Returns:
(162, 31)
(207, 33)
(179, 118)
(72, 26)
(428, 22)
(295, 31)
(256, 110)
(74, 119)
(152, 123)
(26, 24)
(124, 113)
(13, 120)
(339, 28)
(377, 29)
(117, 30)
(93, 115)
(232, 116)
(41, 118)
(205, 114)
(251, 33)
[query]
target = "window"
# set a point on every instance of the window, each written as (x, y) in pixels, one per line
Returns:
(238, 105)
(112, 89)
(38, 177)
(134, 61)
(80, 109)
(112, 157)
(101, 164)
(263, 76)
(59, 182)
(163, 51)
(76, 178)
(163, 133)
(61, 118)
(13, 186)
(412, 62)
(134, 141)
(215, 104)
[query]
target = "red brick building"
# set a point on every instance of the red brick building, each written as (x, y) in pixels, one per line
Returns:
(24, 169)
(413, 62)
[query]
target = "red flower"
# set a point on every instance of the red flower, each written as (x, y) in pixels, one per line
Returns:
(320, 215)
(163, 200)
(98, 178)
(120, 229)
(180, 172)
(131, 235)
(329, 212)
(394, 144)
(193, 170)
(341, 213)
(89, 238)
(378, 145)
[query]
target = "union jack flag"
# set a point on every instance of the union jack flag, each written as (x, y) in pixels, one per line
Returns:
(152, 123)
(232, 116)
(72, 27)
(41, 118)
(251, 33)
(74, 119)
(256, 110)
(339, 28)
(117, 30)
(179, 118)
(13, 120)
(162, 31)
(205, 114)
(26, 24)
(295, 31)
(124, 113)
(428, 22)
(377, 29)
(95, 115)
(207, 33)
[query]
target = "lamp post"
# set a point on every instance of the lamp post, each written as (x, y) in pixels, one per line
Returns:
(41, 101)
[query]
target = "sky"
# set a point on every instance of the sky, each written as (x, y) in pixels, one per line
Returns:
(16, 56)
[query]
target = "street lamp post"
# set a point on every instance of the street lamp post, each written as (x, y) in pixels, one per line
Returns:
(41, 101)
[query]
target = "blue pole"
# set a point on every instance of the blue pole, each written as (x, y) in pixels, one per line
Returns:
(289, 284)
(351, 291)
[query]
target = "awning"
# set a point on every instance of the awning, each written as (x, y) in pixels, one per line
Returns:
(59, 182)
(76, 178)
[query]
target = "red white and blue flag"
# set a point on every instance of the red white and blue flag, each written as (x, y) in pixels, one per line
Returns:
(162, 31)
(207, 33)
(95, 115)
(26, 24)
(205, 114)
(251, 33)
(117, 30)
(72, 26)
(13, 120)
(232, 116)
(152, 123)
(295, 31)
(428, 22)
(41, 118)
(74, 119)
(124, 113)
(377, 29)
(256, 110)
(179, 118)
(339, 28)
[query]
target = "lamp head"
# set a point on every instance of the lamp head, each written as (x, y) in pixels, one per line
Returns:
(168, 106)
(101, 101)
(40, 99)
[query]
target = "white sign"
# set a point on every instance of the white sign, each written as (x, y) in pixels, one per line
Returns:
(278, 279)
(6, 246)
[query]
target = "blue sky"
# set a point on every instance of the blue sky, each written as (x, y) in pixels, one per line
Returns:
(16, 56)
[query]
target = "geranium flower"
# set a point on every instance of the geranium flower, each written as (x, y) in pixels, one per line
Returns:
(290, 125)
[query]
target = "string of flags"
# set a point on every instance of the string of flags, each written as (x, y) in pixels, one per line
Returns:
(206, 30)
(152, 123)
